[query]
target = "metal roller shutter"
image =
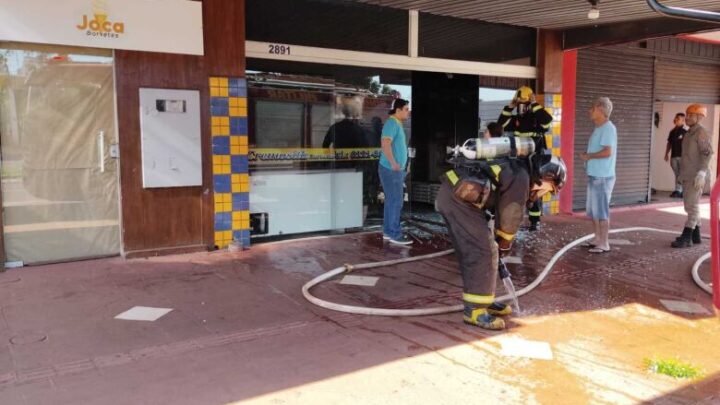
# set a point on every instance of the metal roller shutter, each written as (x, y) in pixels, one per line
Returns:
(628, 81)
(687, 82)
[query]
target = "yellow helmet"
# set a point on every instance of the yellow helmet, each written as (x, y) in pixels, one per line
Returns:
(523, 94)
(698, 109)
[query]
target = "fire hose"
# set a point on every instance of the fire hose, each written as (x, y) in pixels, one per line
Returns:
(354, 309)
(696, 277)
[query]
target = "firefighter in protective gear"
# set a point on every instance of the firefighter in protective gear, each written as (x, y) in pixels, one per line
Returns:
(466, 192)
(694, 166)
(531, 121)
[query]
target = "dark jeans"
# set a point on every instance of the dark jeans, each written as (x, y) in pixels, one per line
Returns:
(392, 182)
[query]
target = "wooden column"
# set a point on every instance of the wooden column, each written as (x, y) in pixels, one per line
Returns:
(549, 62)
(178, 219)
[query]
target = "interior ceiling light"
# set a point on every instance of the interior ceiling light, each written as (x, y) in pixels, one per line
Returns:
(594, 12)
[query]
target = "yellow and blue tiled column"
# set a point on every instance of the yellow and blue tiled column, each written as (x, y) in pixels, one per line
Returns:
(553, 103)
(228, 110)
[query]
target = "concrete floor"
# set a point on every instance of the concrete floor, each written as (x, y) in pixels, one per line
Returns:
(240, 331)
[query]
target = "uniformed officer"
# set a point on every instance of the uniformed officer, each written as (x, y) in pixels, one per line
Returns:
(694, 166)
(531, 121)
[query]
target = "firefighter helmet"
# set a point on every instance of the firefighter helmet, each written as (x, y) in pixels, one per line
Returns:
(551, 175)
(698, 109)
(553, 168)
(523, 95)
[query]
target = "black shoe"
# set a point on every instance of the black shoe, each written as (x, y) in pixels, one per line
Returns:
(696, 237)
(673, 194)
(685, 240)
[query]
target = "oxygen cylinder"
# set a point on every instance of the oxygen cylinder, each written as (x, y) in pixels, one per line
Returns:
(480, 148)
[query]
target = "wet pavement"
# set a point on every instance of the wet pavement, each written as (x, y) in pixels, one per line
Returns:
(240, 330)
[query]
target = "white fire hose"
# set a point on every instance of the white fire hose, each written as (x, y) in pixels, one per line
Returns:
(696, 277)
(353, 309)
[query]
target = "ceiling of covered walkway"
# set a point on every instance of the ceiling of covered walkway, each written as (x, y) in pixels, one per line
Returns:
(620, 20)
(546, 14)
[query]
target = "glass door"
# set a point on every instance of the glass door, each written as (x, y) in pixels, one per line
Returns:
(57, 132)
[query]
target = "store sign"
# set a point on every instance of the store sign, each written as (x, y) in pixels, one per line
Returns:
(99, 25)
(311, 154)
(169, 26)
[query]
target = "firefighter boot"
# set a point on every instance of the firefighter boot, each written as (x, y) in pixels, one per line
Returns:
(696, 237)
(479, 316)
(685, 240)
(498, 309)
(533, 223)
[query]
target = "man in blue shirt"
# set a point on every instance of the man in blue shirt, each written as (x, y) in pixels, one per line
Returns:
(600, 165)
(393, 161)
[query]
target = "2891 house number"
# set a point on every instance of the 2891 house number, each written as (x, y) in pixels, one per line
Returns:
(279, 49)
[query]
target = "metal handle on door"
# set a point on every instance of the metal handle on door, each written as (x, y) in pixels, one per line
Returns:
(101, 150)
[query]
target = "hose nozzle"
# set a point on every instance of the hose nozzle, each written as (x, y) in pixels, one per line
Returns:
(503, 270)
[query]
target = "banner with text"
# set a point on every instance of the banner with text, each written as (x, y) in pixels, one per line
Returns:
(311, 154)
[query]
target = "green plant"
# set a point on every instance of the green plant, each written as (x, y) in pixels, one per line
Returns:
(673, 368)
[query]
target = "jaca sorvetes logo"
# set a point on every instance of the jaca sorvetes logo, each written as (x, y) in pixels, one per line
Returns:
(98, 25)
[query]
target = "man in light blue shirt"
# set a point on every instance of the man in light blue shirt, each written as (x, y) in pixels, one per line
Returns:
(391, 169)
(600, 166)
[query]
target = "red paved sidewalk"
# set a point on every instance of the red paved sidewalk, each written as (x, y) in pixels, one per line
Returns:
(241, 331)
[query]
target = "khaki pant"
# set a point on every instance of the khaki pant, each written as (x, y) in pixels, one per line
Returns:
(691, 199)
(675, 164)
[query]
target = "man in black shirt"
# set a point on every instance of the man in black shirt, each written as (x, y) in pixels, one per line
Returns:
(674, 151)
(347, 133)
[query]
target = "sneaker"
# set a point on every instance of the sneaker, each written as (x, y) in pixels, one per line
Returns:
(385, 237)
(401, 241)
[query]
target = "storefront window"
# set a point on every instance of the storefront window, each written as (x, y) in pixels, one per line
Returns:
(321, 116)
(280, 124)
(314, 150)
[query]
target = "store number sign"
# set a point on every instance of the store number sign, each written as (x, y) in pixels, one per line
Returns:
(277, 49)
